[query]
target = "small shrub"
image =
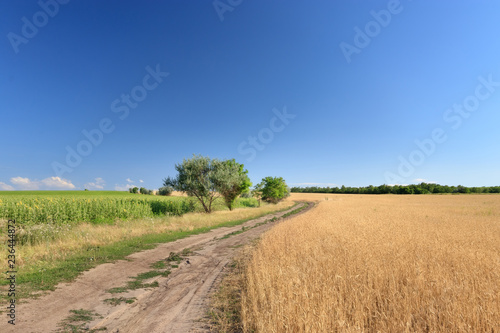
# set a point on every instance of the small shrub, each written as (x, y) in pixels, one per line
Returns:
(165, 190)
(145, 191)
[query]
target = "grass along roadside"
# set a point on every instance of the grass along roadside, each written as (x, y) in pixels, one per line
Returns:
(274, 219)
(41, 267)
(224, 314)
(298, 210)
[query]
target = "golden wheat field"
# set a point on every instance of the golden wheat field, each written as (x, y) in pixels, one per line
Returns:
(361, 263)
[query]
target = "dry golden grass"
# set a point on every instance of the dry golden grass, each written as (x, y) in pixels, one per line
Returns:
(225, 300)
(178, 194)
(358, 263)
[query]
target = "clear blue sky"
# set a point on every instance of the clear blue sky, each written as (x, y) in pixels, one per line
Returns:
(318, 92)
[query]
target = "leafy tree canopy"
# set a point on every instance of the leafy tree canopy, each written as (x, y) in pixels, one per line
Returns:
(274, 189)
(208, 179)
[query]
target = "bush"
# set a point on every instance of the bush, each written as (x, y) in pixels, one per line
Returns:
(246, 202)
(145, 191)
(166, 207)
(274, 189)
(165, 190)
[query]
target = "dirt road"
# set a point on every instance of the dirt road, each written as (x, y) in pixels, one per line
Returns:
(176, 305)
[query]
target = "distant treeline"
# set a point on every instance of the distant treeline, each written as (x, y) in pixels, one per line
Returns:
(422, 188)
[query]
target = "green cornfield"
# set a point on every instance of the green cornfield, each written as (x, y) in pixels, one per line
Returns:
(47, 215)
(73, 207)
(27, 210)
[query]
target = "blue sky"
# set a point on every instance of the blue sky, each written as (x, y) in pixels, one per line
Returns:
(326, 92)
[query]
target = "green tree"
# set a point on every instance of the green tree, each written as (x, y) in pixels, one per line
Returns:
(208, 179)
(165, 190)
(462, 189)
(144, 190)
(196, 178)
(274, 189)
(230, 180)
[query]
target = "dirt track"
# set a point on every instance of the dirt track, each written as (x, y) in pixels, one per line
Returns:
(177, 305)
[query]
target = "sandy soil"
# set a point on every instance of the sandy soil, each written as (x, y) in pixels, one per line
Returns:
(177, 305)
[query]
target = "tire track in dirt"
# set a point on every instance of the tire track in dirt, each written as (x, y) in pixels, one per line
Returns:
(177, 305)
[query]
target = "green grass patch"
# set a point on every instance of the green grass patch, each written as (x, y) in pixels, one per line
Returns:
(119, 300)
(295, 211)
(138, 282)
(174, 257)
(243, 229)
(77, 321)
(178, 257)
(159, 264)
(150, 275)
(132, 285)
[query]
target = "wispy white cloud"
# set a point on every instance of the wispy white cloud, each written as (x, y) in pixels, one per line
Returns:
(141, 181)
(421, 180)
(5, 187)
(129, 180)
(50, 183)
(98, 184)
(123, 187)
(24, 183)
(57, 183)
